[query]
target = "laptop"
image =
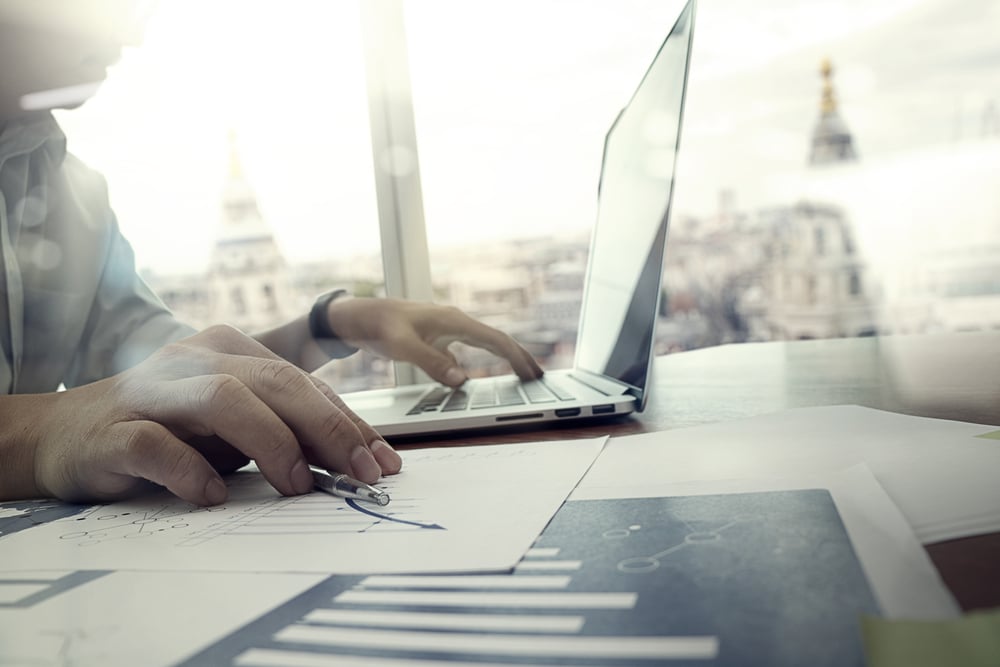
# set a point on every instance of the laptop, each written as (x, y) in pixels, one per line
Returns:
(621, 296)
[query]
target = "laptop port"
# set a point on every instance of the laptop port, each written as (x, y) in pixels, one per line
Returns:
(603, 409)
(567, 412)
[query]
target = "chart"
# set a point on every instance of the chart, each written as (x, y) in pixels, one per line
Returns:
(687, 580)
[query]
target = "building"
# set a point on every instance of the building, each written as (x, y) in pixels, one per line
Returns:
(831, 141)
(814, 280)
(247, 281)
(248, 278)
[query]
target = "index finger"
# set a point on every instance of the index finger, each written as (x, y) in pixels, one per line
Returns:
(473, 332)
(331, 434)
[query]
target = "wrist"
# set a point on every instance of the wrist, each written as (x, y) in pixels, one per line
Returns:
(322, 331)
(19, 475)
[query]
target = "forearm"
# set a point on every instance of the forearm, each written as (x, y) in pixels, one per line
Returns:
(293, 342)
(19, 418)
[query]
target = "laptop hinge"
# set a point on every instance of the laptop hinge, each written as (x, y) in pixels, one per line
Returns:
(600, 383)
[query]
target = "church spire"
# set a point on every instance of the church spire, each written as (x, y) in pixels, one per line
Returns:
(241, 218)
(831, 140)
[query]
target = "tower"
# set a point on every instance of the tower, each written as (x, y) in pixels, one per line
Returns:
(831, 140)
(247, 275)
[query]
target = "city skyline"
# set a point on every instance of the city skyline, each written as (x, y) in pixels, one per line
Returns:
(753, 98)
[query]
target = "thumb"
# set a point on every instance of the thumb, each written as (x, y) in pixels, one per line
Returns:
(440, 365)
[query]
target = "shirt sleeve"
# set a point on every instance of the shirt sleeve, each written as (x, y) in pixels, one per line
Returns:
(127, 321)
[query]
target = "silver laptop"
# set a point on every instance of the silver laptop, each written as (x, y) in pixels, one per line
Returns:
(614, 348)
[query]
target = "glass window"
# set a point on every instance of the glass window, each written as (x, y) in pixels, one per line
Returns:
(238, 148)
(512, 102)
(236, 144)
(801, 127)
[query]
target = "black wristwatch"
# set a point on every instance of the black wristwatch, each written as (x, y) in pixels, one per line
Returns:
(322, 333)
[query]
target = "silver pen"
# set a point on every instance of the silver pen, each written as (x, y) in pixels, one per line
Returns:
(341, 485)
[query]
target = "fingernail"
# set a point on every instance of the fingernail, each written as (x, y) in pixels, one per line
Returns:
(455, 377)
(364, 466)
(302, 479)
(216, 492)
(387, 458)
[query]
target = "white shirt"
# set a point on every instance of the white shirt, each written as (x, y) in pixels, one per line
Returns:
(72, 307)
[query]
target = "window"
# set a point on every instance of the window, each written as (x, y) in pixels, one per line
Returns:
(247, 122)
(236, 145)
(512, 102)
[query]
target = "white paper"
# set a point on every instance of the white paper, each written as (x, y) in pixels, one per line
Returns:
(135, 618)
(941, 475)
(458, 509)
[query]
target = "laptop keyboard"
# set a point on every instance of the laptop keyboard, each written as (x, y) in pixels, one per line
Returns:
(490, 393)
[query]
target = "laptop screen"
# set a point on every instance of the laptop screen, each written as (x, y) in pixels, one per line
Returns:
(622, 294)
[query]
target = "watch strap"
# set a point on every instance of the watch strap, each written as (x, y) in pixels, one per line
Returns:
(321, 331)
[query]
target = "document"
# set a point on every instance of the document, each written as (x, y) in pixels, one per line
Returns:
(458, 509)
(808, 554)
(904, 581)
(942, 474)
(733, 573)
(56, 618)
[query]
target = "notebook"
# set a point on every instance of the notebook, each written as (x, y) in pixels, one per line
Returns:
(621, 296)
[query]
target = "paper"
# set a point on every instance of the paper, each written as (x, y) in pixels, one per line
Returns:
(764, 578)
(971, 641)
(130, 618)
(903, 578)
(941, 474)
(459, 509)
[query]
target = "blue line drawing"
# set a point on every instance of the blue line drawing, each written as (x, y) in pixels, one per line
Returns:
(388, 517)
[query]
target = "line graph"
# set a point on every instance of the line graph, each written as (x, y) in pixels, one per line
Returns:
(447, 512)
(247, 513)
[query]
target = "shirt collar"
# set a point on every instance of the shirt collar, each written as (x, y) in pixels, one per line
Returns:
(29, 133)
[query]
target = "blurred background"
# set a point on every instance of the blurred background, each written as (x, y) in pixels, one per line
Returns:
(838, 173)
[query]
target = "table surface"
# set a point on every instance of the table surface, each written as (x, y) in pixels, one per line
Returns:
(946, 376)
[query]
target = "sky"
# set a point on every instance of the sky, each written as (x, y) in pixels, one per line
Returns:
(511, 104)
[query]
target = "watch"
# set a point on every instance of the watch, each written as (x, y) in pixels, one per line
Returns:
(319, 326)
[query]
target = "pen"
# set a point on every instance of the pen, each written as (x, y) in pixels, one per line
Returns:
(338, 484)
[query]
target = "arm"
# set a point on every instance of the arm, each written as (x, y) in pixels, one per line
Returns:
(419, 333)
(196, 408)
(19, 416)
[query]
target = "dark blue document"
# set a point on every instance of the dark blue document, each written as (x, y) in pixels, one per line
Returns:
(737, 579)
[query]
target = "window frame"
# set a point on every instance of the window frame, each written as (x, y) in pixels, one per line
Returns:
(396, 164)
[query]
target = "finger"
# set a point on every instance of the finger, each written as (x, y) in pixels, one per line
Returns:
(222, 405)
(473, 332)
(521, 361)
(384, 460)
(150, 451)
(326, 435)
(441, 366)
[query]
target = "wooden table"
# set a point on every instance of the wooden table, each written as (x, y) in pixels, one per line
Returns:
(947, 376)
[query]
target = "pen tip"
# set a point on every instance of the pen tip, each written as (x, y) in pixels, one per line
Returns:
(382, 499)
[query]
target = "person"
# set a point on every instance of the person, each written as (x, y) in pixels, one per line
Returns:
(145, 399)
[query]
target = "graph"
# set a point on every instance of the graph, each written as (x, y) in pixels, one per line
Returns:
(450, 511)
(247, 513)
(687, 580)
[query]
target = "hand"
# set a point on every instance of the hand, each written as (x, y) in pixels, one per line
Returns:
(204, 405)
(420, 333)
